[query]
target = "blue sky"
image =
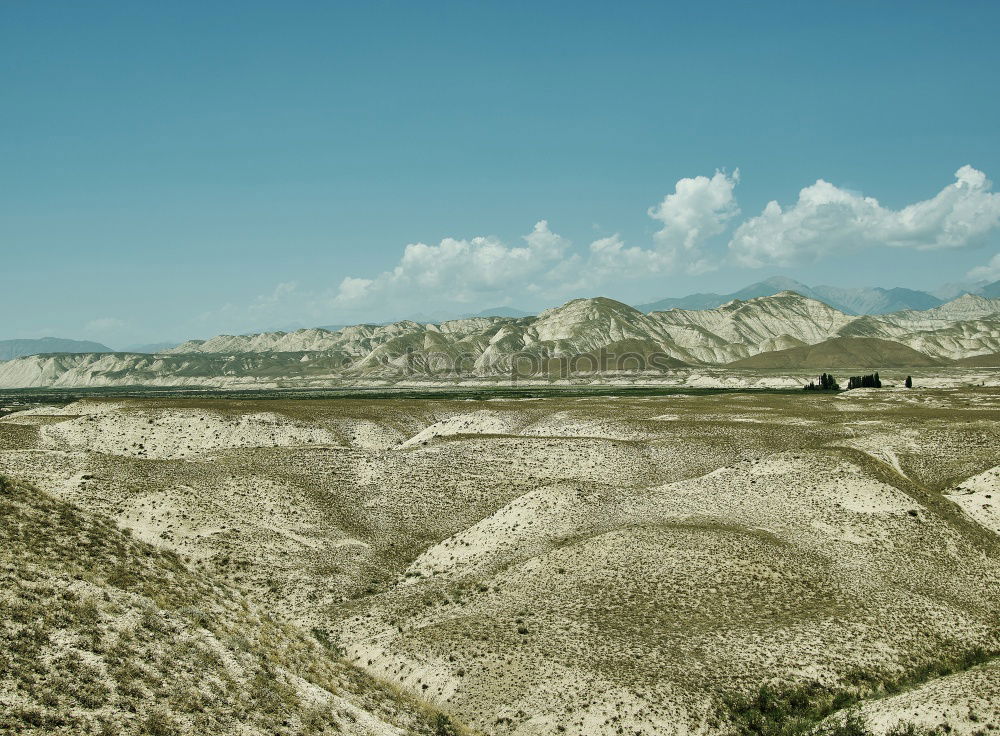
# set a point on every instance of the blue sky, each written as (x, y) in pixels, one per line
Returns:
(174, 170)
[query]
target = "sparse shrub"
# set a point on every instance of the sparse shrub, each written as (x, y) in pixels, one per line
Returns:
(160, 723)
(323, 637)
(852, 725)
(443, 726)
(797, 709)
(910, 729)
(121, 576)
(317, 718)
(196, 616)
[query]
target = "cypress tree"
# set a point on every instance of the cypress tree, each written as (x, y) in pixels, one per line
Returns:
(872, 380)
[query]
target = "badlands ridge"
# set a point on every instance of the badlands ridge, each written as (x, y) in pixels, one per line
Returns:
(583, 338)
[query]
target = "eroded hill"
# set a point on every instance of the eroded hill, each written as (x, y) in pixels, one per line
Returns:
(587, 565)
(584, 338)
(102, 633)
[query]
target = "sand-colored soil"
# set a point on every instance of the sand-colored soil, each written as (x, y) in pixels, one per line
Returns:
(581, 565)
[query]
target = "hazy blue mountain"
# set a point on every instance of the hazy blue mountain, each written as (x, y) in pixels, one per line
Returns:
(912, 298)
(10, 349)
(955, 289)
(691, 301)
(768, 287)
(875, 300)
(857, 300)
(990, 291)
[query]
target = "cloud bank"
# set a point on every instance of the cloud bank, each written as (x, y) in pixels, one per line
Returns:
(826, 219)
(485, 268)
(696, 230)
(467, 270)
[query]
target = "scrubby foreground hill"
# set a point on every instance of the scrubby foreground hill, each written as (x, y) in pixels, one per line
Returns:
(583, 338)
(105, 634)
(593, 566)
(841, 353)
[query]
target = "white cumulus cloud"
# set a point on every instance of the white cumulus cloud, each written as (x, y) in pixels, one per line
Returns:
(987, 272)
(464, 270)
(476, 270)
(698, 209)
(545, 268)
(610, 257)
(827, 219)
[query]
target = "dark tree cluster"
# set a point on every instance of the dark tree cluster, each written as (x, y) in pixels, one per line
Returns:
(826, 383)
(870, 381)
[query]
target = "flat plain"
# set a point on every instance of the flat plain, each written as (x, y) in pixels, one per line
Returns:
(583, 563)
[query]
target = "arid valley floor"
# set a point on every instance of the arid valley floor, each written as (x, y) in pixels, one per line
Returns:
(694, 562)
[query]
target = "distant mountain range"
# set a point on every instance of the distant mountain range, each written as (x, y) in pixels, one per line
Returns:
(578, 338)
(860, 300)
(990, 291)
(850, 301)
(10, 349)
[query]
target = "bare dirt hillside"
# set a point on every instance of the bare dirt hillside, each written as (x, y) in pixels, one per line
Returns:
(991, 360)
(841, 353)
(589, 565)
(102, 633)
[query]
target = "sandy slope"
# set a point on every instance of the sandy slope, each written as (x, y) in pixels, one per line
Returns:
(979, 498)
(105, 634)
(968, 702)
(580, 565)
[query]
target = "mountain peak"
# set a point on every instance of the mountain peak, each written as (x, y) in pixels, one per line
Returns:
(785, 293)
(783, 283)
(782, 300)
(968, 305)
(597, 305)
(970, 299)
(850, 300)
(10, 349)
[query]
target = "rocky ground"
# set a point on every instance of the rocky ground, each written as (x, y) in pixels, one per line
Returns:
(583, 564)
